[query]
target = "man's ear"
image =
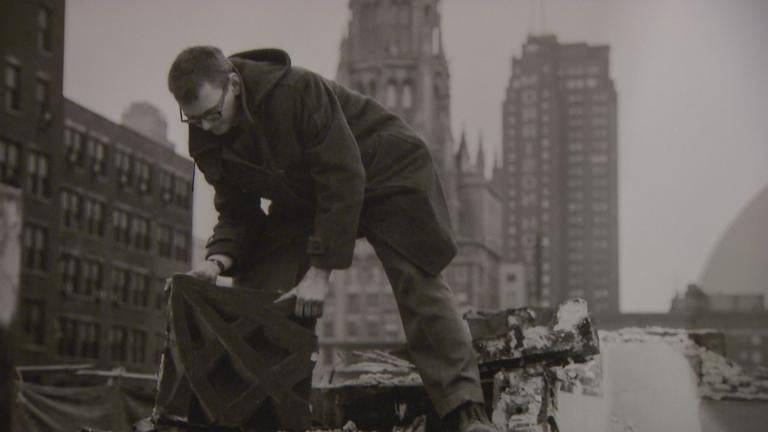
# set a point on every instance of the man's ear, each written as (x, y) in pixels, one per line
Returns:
(236, 84)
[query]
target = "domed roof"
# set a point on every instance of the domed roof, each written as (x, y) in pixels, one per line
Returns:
(739, 262)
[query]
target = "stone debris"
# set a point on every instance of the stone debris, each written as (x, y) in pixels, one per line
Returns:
(719, 378)
(570, 315)
(518, 351)
(384, 379)
(523, 336)
(525, 400)
(581, 378)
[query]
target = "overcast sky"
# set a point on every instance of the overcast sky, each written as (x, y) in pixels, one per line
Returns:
(690, 77)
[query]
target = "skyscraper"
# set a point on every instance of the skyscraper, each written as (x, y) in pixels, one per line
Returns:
(560, 161)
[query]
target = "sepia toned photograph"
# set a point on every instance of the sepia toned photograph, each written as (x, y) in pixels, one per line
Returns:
(383, 215)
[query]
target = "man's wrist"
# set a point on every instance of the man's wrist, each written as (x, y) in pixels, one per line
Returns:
(219, 263)
(322, 273)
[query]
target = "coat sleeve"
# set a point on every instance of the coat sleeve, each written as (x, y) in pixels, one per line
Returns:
(229, 231)
(231, 228)
(336, 170)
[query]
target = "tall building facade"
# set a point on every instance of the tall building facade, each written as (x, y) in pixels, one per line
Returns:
(31, 127)
(393, 53)
(107, 212)
(125, 225)
(561, 182)
(474, 273)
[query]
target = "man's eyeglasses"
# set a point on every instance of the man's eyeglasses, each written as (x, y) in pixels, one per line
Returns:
(211, 115)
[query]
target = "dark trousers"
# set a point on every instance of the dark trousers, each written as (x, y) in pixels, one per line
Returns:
(438, 339)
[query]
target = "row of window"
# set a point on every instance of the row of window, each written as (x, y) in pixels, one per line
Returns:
(13, 73)
(88, 214)
(12, 86)
(397, 95)
(9, 162)
(82, 338)
(86, 277)
(131, 171)
(580, 83)
(36, 241)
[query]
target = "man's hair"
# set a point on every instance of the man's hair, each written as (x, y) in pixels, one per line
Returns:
(193, 67)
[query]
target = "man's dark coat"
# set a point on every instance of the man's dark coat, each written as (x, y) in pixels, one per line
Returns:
(335, 164)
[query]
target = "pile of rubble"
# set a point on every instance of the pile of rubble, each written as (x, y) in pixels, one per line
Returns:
(718, 377)
(523, 355)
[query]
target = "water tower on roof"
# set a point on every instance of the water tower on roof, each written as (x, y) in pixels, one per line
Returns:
(148, 120)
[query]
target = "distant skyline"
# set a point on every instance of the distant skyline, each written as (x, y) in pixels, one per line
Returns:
(690, 78)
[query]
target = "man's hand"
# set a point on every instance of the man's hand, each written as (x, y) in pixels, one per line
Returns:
(206, 270)
(310, 293)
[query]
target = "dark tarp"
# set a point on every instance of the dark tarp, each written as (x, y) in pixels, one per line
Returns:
(113, 407)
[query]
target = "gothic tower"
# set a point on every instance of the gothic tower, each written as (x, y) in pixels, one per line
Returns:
(393, 53)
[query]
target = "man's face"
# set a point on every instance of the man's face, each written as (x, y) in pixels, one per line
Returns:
(215, 109)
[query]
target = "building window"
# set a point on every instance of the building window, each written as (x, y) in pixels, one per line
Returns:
(9, 162)
(38, 176)
(93, 215)
(181, 246)
(391, 95)
(407, 96)
(92, 278)
(120, 222)
(78, 338)
(33, 321)
(71, 209)
(96, 153)
(140, 290)
(90, 346)
(353, 303)
(42, 96)
(12, 87)
(35, 247)
(372, 328)
(329, 328)
(529, 114)
(142, 174)
(118, 343)
(121, 285)
(166, 186)
(164, 240)
(73, 145)
(69, 269)
(182, 193)
(123, 168)
(352, 330)
(140, 232)
(138, 343)
(67, 335)
(44, 29)
(435, 40)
